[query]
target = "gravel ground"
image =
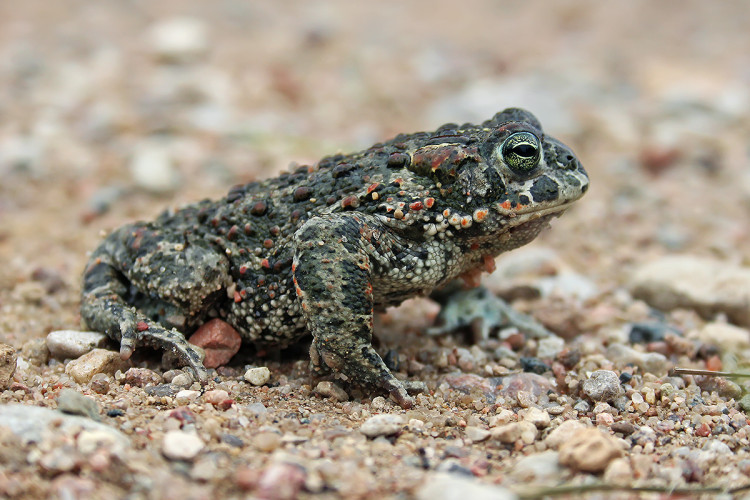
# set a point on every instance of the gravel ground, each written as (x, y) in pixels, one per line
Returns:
(112, 111)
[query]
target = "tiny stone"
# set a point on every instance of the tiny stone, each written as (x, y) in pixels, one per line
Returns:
(745, 403)
(100, 383)
(215, 397)
(582, 406)
(8, 360)
(74, 403)
(589, 450)
(650, 362)
(258, 376)
(219, 340)
(563, 433)
(141, 377)
(179, 40)
(185, 397)
(232, 440)
(708, 286)
(182, 380)
(72, 344)
(257, 408)
(603, 385)
(727, 337)
(604, 419)
(534, 365)
(549, 347)
(89, 441)
(382, 425)
(329, 389)
(539, 418)
(179, 445)
(512, 432)
(91, 363)
(161, 390)
(451, 486)
(281, 481)
(476, 434)
(267, 441)
(35, 351)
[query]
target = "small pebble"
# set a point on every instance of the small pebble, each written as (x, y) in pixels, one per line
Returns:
(35, 351)
(74, 403)
(141, 377)
(100, 383)
(602, 385)
(563, 433)
(180, 445)
(549, 347)
(179, 40)
(539, 418)
(281, 481)
(451, 486)
(534, 365)
(644, 333)
(650, 362)
(329, 389)
(382, 425)
(91, 363)
(219, 340)
(232, 440)
(72, 344)
(726, 337)
(708, 286)
(182, 380)
(216, 397)
(258, 376)
(476, 434)
(512, 432)
(186, 396)
(8, 360)
(161, 390)
(589, 450)
(266, 441)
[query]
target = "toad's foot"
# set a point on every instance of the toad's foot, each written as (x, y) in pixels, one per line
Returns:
(482, 311)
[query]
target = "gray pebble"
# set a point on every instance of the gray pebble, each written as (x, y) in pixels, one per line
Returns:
(329, 389)
(30, 423)
(603, 385)
(445, 486)
(74, 403)
(72, 344)
(382, 425)
(709, 286)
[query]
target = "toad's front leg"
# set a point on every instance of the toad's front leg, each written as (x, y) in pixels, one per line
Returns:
(333, 270)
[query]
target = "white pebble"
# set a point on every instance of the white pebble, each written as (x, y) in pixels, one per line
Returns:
(382, 425)
(258, 376)
(179, 445)
(186, 397)
(72, 344)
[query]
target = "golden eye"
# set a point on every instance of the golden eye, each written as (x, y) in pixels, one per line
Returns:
(521, 152)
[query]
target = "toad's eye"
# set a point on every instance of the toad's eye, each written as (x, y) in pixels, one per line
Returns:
(521, 152)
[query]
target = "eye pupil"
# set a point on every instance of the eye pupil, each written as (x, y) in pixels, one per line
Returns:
(521, 152)
(525, 150)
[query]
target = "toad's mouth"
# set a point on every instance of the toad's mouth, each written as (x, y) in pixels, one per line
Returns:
(517, 218)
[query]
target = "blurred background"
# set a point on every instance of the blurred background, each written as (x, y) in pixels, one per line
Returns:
(114, 110)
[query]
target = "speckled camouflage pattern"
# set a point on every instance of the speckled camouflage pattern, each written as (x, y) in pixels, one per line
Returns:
(319, 249)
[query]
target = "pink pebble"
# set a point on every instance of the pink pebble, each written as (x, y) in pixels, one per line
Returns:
(219, 340)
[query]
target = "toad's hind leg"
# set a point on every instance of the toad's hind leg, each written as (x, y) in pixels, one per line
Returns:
(333, 278)
(139, 275)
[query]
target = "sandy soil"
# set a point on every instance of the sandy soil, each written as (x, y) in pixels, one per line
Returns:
(653, 97)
